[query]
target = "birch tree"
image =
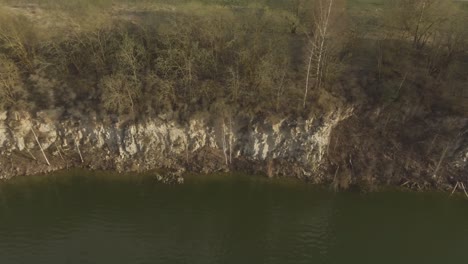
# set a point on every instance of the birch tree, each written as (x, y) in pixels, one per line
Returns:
(324, 25)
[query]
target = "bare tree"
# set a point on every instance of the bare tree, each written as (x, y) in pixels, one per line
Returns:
(119, 93)
(11, 86)
(15, 35)
(325, 15)
(448, 42)
(130, 56)
(420, 19)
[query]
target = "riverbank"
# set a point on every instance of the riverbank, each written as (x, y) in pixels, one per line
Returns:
(336, 148)
(206, 86)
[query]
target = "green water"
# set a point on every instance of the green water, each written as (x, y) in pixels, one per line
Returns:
(77, 218)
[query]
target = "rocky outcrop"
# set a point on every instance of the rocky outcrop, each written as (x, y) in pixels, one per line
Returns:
(203, 145)
(339, 147)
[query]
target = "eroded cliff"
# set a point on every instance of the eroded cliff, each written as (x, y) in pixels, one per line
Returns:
(336, 147)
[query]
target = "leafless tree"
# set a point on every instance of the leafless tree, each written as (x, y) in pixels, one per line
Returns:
(119, 93)
(11, 86)
(420, 19)
(325, 15)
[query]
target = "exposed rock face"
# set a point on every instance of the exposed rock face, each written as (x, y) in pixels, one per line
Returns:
(200, 145)
(337, 148)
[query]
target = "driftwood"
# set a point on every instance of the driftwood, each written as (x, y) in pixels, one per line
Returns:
(464, 190)
(336, 173)
(406, 183)
(459, 185)
(40, 146)
(230, 140)
(29, 151)
(442, 157)
(454, 188)
(59, 152)
(79, 152)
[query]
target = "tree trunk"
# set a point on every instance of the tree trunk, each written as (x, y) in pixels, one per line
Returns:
(416, 36)
(79, 151)
(40, 146)
(307, 78)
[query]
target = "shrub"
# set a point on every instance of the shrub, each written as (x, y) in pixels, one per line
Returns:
(12, 91)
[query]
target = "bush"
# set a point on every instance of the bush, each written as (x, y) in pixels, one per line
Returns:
(120, 93)
(12, 92)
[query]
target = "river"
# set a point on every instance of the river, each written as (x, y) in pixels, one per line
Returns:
(84, 217)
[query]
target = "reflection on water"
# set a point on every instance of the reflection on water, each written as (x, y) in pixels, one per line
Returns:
(100, 218)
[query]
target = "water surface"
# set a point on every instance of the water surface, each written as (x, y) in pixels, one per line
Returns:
(83, 217)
